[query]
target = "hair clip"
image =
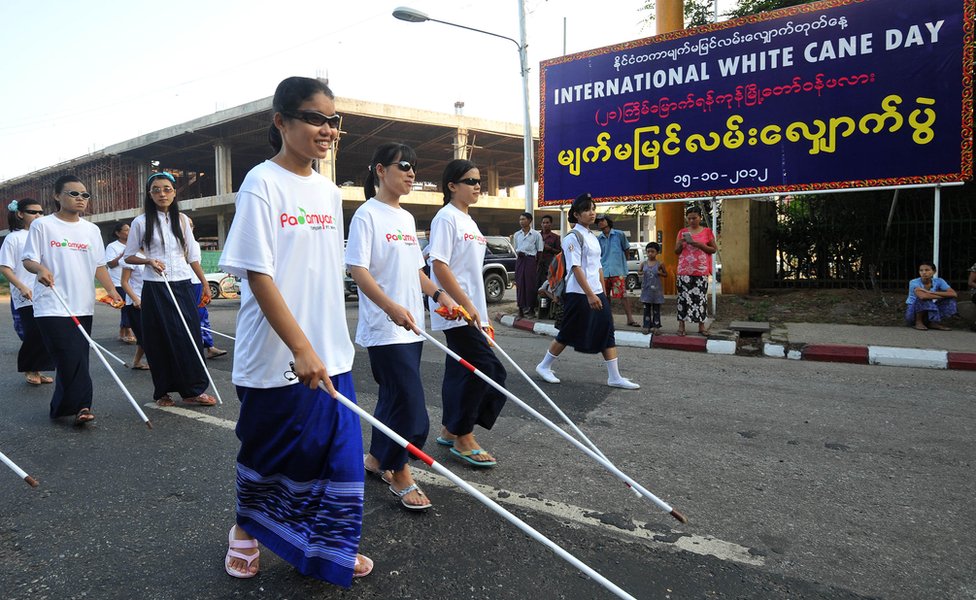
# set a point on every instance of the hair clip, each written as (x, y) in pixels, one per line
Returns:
(12, 207)
(161, 174)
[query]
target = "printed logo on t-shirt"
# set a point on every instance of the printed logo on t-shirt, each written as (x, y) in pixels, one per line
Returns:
(76, 246)
(314, 220)
(479, 239)
(399, 236)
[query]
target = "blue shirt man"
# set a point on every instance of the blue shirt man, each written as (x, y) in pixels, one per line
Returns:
(613, 257)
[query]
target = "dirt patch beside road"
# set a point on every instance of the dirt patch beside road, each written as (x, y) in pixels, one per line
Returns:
(843, 306)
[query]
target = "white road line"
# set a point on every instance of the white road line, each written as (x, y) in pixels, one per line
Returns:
(192, 414)
(696, 544)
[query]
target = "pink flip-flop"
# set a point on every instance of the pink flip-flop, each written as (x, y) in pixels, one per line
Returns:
(365, 560)
(232, 552)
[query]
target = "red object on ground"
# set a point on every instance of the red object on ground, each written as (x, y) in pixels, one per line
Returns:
(836, 353)
(677, 342)
(965, 361)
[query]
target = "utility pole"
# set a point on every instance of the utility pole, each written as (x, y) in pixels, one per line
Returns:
(669, 16)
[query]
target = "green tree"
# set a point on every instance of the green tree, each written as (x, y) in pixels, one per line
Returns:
(702, 12)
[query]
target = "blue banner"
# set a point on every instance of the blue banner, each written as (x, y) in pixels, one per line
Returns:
(830, 95)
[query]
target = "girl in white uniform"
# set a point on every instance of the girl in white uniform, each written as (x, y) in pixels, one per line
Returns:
(587, 321)
(457, 253)
(165, 237)
(33, 356)
(66, 251)
(299, 469)
(131, 281)
(384, 258)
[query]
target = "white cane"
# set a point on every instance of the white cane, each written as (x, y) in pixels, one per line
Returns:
(420, 455)
(94, 346)
(606, 464)
(20, 472)
(193, 340)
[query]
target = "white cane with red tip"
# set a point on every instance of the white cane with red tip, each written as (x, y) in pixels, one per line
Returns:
(20, 472)
(95, 347)
(430, 462)
(193, 340)
(606, 464)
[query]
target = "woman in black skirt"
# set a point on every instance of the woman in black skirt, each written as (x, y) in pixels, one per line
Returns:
(587, 321)
(33, 356)
(457, 252)
(165, 237)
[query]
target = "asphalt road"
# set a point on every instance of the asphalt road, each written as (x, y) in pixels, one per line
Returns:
(800, 480)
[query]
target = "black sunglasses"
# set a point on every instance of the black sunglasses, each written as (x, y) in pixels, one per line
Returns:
(316, 119)
(33, 212)
(75, 194)
(469, 181)
(403, 165)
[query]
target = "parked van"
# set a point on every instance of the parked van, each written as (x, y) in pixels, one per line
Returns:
(498, 268)
(635, 256)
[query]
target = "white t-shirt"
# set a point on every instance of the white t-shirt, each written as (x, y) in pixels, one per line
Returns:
(173, 255)
(194, 255)
(10, 256)
(456, 241)
(112, 251)
(383, 239)
(135, 278)
(288, 227)
(72, 252)
(590, 262)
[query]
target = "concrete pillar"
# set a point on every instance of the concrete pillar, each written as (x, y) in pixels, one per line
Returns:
(221, 229)
(461, 143)
(222, 168)
(746, 252)
(492, 176)
(326, 166)
(670, 217)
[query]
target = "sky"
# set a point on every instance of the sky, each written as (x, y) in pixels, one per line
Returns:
(80, 75)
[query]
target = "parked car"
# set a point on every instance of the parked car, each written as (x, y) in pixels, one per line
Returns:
(223, 285)
(498, 269)
(635, 256)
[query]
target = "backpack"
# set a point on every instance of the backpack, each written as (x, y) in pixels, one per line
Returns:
(555, 285)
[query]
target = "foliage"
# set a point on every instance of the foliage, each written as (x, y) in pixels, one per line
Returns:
(751, 7)
(702, 12)
(697, 12)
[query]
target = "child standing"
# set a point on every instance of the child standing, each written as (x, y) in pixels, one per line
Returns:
(652, 293)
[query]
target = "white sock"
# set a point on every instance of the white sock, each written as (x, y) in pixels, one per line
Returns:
(548, 360)
(613, 371)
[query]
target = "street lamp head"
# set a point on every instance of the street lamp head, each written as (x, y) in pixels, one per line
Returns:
(411, 15)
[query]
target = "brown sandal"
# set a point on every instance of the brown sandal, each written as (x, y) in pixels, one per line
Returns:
(165, 401)
(201, 400)
(84, 415)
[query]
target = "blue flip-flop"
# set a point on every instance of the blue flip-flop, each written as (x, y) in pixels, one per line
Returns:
(467, 454)
(443, 441)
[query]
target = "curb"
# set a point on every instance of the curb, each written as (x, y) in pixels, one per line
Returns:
(861, 355)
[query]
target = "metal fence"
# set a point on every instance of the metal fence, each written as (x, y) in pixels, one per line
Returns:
(871, 239)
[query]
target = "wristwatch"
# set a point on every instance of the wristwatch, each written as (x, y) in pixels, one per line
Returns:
(437, 294)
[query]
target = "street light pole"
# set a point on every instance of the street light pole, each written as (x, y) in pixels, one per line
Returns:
(412, 15)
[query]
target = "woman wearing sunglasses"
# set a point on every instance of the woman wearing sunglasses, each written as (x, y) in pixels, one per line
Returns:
(299, 468)
(457, 252)
(32, 357)
(71, 266)
(384, 258)
(165, 238)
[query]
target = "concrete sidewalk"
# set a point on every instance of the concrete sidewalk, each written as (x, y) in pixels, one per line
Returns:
(860, 344)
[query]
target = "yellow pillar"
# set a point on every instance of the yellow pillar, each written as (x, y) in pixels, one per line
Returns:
(669, 15)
